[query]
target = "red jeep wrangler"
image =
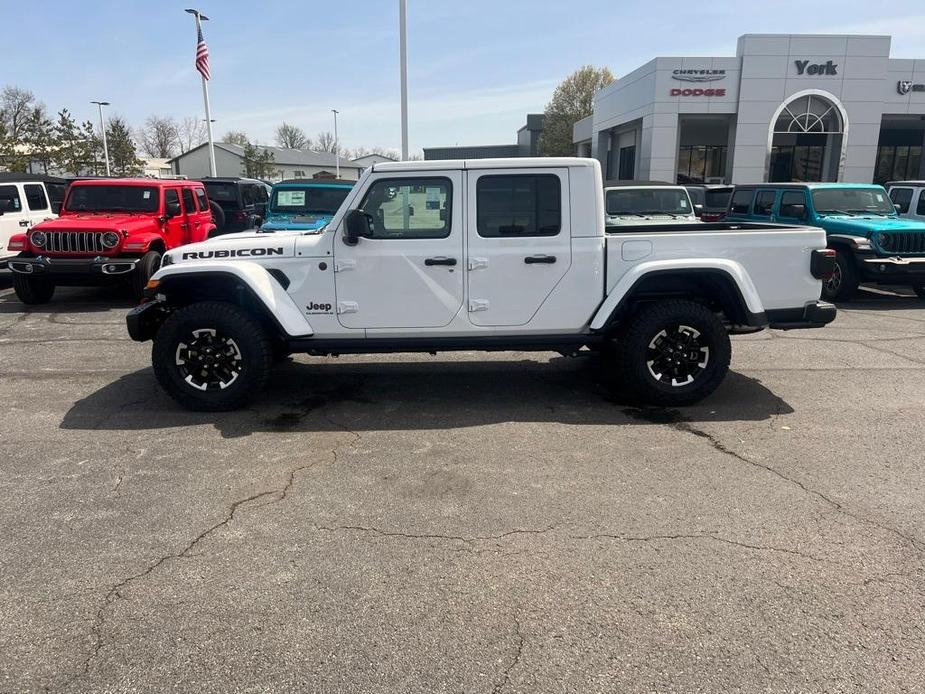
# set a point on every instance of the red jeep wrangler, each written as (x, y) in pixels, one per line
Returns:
(109, 230)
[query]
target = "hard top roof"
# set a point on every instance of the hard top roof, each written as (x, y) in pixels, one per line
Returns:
(505, 163)
(17, 177)
(809, 186)
(640, 184)
(157, 182)
(338, 182)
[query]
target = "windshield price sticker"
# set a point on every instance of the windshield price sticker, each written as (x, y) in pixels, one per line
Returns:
(291, 198)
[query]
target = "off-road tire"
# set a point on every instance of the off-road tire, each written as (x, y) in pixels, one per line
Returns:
(33, 290)
(149, 264)
(845, 279)
(634, 349)
(218, 217)
(229, 321)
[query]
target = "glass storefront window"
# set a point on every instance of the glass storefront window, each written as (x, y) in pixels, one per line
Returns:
(897, 163)
(697, 163)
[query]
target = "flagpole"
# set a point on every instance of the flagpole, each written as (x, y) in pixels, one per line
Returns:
(403, 54)
(205, 98)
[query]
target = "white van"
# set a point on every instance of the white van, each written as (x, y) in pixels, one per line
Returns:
(25, 200)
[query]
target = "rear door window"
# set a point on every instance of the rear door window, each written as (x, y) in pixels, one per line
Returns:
(189, 205)
(901, 197)
(764, 202)
(35, 197)
(741, 201)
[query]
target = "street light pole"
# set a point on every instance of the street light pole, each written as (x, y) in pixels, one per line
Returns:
(403, 50)
(200, 17)
(336, 148)
(100, 104)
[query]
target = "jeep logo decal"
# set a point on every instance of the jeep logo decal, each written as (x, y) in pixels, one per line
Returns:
(318, 308)
(233, 253)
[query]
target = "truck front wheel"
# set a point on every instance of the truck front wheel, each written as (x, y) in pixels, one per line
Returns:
(211, 356)
(673, 352)
(149, 264)
(843, 284)
(33, 290)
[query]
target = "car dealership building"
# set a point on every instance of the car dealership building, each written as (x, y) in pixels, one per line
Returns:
(785, 108)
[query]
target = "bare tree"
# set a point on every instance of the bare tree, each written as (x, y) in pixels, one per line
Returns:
(192, 132)
(236, 137)
(292, 137)
(159, 137)
(362, 151)
(16, 107)
(324, 142)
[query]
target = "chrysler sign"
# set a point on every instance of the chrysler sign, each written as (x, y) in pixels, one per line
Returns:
(698, 75)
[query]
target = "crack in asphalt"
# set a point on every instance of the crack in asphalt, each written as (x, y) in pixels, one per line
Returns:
(689, 428)
(698, 536)
(432, 536)
(114, 592)
(505, 677)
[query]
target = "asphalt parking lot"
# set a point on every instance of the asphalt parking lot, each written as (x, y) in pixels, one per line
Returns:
(462, 523)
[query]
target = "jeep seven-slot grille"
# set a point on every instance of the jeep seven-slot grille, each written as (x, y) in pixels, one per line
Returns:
(74, 241)
(903, 242)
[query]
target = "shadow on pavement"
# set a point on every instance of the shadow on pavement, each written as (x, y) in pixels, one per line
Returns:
(69, 299)
(884, 299)
(377, 396)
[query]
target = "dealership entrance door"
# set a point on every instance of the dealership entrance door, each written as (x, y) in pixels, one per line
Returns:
(806, 142)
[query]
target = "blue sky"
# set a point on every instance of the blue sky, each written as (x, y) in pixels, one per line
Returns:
(475, 66)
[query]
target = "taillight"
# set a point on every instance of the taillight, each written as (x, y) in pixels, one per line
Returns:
(711, 217)
(822, 263)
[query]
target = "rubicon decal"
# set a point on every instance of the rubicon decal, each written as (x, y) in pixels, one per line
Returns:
(232, 253)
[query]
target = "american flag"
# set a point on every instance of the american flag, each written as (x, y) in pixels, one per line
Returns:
(202, 56)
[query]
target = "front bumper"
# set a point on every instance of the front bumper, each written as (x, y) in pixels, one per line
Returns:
(893, 269)
(813, 315)
(144, 321)
(100, 265)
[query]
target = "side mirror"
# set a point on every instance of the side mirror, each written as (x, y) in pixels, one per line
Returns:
(698, 210)
(172, 209)
(356, 224)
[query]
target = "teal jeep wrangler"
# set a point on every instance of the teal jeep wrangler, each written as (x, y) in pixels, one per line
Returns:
(873, 244)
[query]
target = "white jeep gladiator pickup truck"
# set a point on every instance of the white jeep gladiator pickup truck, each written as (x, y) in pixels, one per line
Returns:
(506, 254)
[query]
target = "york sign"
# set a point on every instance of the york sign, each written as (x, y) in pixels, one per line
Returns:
(804, 67)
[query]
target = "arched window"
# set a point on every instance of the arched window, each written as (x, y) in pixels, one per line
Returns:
(809, 114)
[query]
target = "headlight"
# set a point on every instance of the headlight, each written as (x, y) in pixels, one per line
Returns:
(110, 239)
(166, 260)
(882, 240)
(37, 238)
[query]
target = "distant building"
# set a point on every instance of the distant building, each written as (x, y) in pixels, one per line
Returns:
(368, 160)
(528, 144)
(288, 163)
(155, 167)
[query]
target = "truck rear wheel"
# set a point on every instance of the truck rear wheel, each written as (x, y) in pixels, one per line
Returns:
(33, 290)
(673, 352)
(843, 284)
(211, 356)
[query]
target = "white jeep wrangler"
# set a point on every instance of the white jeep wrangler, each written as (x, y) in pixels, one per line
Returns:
(506, 254)
(26, 200)
(639, 203)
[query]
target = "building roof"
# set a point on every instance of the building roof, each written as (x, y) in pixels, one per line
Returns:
(508, 163)
(284, 156)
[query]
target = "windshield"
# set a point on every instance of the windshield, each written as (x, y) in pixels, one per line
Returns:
(309, 200)
(646, 201)
(718, 199)
(852, 201)
(113, 199)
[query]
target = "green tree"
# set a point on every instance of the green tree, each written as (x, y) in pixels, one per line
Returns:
(572, 100)
(258, 163)
(123, 157)
(78, 149)
(39, 138)
(235, 137)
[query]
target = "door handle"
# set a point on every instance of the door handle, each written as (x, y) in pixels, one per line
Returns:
(440, 261)
(533, 259)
